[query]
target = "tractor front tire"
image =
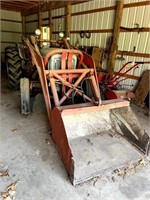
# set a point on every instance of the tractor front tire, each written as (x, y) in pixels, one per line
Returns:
(14, 69)
(25, 96)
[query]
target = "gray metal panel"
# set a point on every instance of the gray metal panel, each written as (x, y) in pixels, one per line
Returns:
(45, 22)
(11, 37)
(32, 17)
(92, 21)
(31, 27)
(45, 14)
(5, 14)
(56, 23)
(10, 26)
(55, 62)
(60, 11)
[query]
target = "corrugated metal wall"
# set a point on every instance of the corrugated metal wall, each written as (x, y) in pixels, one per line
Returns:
(127, 40)
(130, 40)
(31, 24)
(8, 38)
(59, 22)
(92, 21)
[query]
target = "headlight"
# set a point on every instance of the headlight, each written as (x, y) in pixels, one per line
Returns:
(37, 32)
(61, 34)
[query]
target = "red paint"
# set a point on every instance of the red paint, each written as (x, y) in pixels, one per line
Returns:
(111, 95)
(60, 138)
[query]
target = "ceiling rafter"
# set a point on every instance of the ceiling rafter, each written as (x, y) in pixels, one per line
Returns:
(27, 7)
(20, 5)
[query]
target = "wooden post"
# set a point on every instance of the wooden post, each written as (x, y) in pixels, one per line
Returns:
(23, 26)
(40, 23)
(117, 24)
(68, 20)
(51, 24)
(142, 89)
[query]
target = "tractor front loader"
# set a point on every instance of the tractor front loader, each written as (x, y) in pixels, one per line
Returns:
(92, 136)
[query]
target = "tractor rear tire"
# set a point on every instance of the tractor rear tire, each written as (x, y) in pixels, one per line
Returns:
(25, 96)
(14, 69)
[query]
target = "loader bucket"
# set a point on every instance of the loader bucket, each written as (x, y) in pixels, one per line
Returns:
(88, 141)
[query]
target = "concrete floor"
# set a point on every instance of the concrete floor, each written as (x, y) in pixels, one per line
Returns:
(24, 152)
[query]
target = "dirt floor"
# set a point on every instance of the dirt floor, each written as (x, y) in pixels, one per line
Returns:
(29, 157)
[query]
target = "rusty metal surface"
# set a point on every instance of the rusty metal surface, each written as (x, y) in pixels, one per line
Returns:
(38, 61)
(64, 51)
(90, 107)
(97, 140)
(69, 81)
(127, 124)
(73, 87)
(40, 64)
(61, 141)
(97, 154)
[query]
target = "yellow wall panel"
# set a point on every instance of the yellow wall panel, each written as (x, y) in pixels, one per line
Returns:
(5, 14)
(11, 26)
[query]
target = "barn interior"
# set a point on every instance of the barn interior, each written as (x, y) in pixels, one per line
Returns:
(113, 38)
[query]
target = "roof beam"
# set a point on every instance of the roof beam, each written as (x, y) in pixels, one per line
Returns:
(11, 4)
(20, 5)
(49, 6)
